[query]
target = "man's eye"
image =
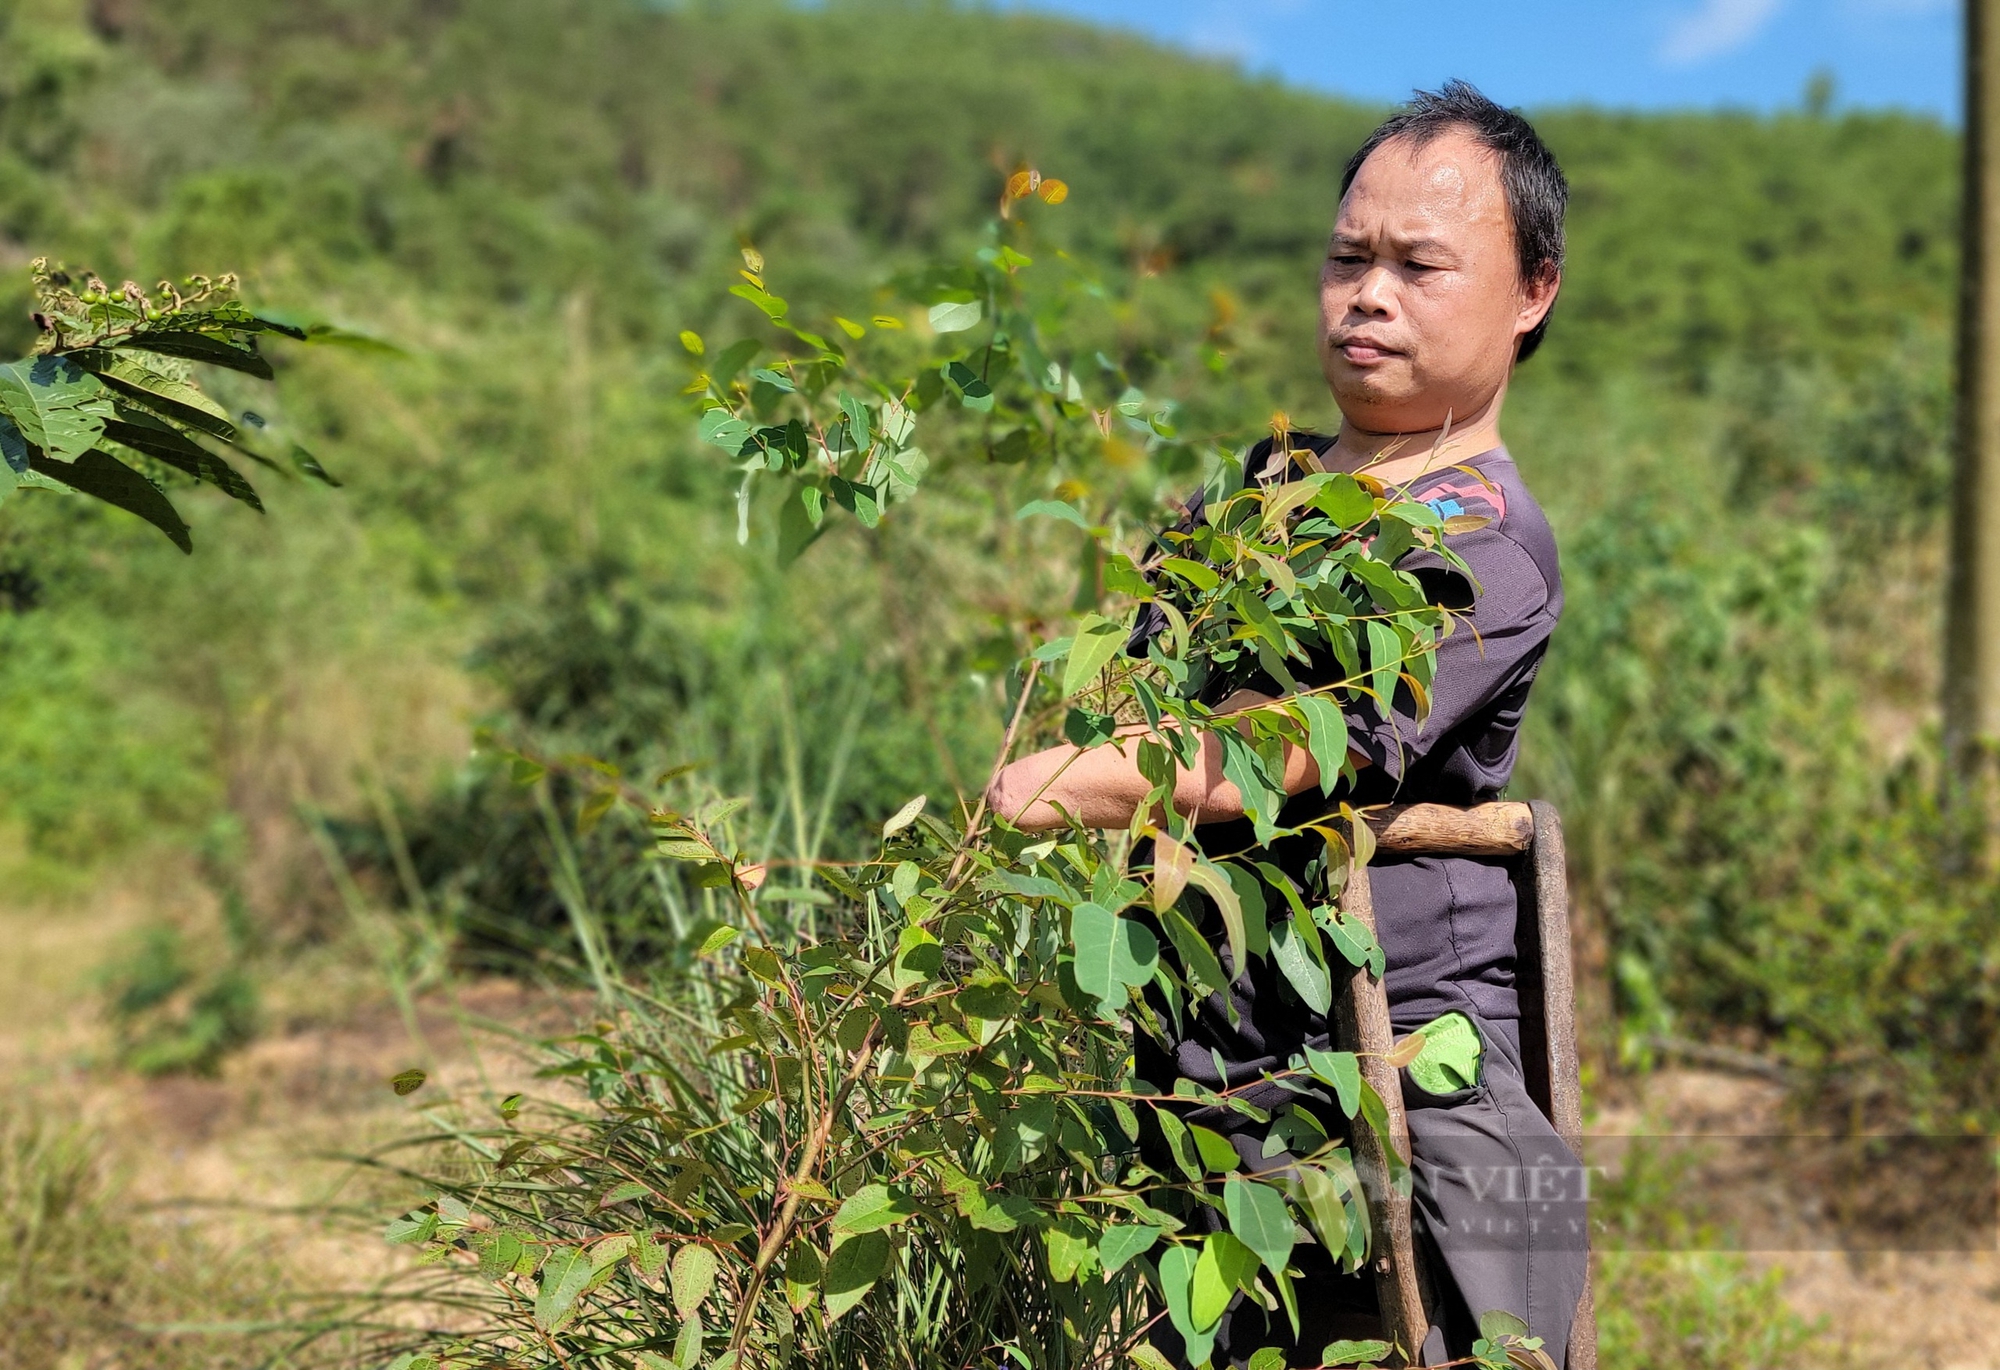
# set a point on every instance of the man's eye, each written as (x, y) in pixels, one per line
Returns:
(1347, 259)
(1420, 266)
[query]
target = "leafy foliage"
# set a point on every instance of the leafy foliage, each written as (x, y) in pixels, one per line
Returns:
(106, 405)
(936, 1083)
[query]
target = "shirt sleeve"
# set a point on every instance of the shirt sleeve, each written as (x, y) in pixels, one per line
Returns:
(1486, 654)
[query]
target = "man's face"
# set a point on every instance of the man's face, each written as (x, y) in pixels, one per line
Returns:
(1420, 300)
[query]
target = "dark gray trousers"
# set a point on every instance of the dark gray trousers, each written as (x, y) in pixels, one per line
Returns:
(1500, 1210)
(1500, 1202)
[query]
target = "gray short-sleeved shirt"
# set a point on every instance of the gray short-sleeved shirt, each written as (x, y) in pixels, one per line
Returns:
(1446, 924)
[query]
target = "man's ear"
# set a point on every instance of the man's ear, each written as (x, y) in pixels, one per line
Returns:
(1538, 297)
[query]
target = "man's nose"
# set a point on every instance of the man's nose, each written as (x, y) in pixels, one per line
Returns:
(1375, 293)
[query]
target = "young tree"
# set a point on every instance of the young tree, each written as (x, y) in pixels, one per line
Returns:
(914, 1136)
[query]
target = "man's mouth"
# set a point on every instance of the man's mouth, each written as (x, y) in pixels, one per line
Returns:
(1365, 351)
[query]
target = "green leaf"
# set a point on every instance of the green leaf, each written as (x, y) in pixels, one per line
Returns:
(803, 1271)
(1375, 1113)
(904, 816)
(1344, 501)
(1197, 958)
(1340, 1069)
(693, 1276)
(989, 996)
(1225, 1265)
(1292, 941)
(1070, 1253)
(12, 445)
(1178, 1142)
(938, 1039)
(1147, 1358)
(1217, 886)
(1193, 572)
(1354, 1352)
(407, 1082)
(1023, 1133)
(858, 425)
(773, 307)
(1326, 733)
(58, 406)
(1496, 1323)
(309, 465)
(717, 939)
(1097, 641)
(1261, 1220)
(1177, 1279)
(1245, 768)
(173, 399)
(104, 477)
(1124, 1243)
(1216, 1152)
(858, 500)
(1111, 953)
(956, 316)
(144, 433)
(199, 347)
(1352, 939)
(1266, 1358)
(1087, 728)
(872, 1208)
(734, 358)
(411, 1229)
(1052, 508)
(687, 1346)
(1385, 663)
(851, 1271)
(725, 430)
(562, 1282)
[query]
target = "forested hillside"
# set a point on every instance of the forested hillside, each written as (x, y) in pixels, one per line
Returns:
(1738, 424)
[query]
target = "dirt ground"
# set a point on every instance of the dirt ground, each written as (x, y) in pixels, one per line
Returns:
(1939, 1308)
(248, 1149)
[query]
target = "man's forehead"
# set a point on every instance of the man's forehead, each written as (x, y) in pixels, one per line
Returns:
(1450, 176)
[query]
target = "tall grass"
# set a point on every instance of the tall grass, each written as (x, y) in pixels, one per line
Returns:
(86, 1281)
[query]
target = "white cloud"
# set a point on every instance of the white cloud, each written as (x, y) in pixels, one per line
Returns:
(1717, 29)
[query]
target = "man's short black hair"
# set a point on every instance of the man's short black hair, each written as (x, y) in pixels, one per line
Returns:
(1537, 193)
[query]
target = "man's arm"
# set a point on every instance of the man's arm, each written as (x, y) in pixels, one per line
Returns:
(1101, 787)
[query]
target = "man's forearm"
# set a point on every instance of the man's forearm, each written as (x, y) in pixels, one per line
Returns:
(1101, 787)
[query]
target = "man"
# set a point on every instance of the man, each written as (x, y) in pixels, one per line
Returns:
(1444, 264)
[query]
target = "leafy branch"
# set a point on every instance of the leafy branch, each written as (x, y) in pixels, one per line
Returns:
(108, 405)
(917, 1136)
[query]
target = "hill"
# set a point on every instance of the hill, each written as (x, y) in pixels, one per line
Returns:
(1739, 424)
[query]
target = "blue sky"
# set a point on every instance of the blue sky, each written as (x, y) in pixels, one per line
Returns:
(1642, 53)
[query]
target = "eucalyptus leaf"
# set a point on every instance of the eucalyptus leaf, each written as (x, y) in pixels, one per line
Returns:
(1112, 953)
(851, 1271)
(693, 1276)
(1098, 640)
(562, 1280)
(956, 316)
(1261, 1220)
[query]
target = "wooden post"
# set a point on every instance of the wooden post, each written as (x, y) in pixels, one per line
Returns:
(1361, 1025)
(1972, 642)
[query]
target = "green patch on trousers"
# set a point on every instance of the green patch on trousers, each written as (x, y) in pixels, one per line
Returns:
(1449, 1061)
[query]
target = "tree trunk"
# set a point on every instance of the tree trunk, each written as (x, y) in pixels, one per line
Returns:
(1972, 643)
